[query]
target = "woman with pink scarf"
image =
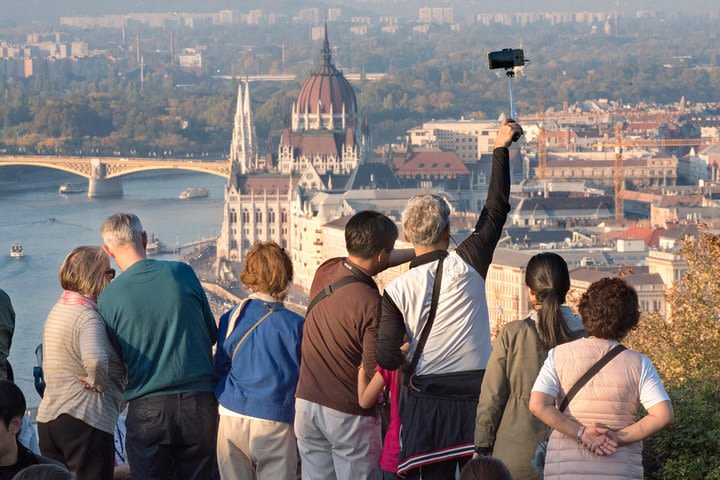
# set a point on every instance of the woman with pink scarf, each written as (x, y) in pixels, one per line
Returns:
(83, 373)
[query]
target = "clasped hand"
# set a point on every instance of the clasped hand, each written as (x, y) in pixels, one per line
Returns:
(600, 439)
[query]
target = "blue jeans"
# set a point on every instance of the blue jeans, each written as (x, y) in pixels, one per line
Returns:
(172, 437)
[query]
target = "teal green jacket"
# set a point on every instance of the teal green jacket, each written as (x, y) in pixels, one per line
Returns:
(160, 323)
(7, 327)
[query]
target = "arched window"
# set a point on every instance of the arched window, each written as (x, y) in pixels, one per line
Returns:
(245, 216)
(233, 216)
(258, 216)
(283, 216)
(271, 216)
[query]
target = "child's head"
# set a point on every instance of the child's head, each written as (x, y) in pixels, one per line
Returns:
(485, 468)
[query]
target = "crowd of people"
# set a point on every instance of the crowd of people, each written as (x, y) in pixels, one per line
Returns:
(403, 384)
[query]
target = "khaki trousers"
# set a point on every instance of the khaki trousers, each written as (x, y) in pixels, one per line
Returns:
(256, 449)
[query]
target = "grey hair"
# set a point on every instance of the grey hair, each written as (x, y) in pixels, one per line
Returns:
(122, 229)
(425, 219)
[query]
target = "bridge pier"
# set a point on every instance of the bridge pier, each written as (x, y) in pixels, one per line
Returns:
(105, 188)
(100, 186)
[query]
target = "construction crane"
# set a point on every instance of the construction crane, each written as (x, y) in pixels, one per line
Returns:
(620, 144)
(542, 153)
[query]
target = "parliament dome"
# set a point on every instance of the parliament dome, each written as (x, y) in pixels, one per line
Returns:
(327, 90)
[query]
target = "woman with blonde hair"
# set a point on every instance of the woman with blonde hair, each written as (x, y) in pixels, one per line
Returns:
(84, 375)
(258, 363)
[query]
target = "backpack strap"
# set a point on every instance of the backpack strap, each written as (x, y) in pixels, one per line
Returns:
(271, 309)
(235, 316)
(428, 325)
(330, 289)
(614, 352)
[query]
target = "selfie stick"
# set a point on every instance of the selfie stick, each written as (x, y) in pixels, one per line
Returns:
(510, 74)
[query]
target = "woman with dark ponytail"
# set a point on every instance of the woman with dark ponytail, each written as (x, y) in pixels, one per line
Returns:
(504, 426)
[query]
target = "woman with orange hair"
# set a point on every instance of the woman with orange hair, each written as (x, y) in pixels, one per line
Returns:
(258, 363)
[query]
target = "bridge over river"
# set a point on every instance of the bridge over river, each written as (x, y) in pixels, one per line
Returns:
(104, 173)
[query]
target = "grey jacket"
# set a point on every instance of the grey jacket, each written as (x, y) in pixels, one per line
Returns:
(504, 422)
(7, 327)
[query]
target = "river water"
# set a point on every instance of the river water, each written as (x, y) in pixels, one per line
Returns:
(32, 281)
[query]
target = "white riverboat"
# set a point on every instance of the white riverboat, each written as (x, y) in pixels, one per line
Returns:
(194, 192)
(67, 188)
(16, 250)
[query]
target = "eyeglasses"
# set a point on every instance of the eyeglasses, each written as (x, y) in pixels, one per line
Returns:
(110, 272)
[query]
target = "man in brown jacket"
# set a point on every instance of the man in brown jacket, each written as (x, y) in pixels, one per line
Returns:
(336, 437)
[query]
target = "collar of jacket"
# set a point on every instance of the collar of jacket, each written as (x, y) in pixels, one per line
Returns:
(360, 273)
(264, 297)
(428, 258)
(572, 320)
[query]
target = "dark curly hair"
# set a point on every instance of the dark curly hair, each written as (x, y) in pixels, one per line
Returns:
(609, 309)
(485, 468)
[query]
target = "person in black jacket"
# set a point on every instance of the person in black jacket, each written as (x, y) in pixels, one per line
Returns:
(14, 457)
(438, 417)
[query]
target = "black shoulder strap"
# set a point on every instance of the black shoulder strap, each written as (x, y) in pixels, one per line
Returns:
(618, 349)
(428, 325)
(330, 289)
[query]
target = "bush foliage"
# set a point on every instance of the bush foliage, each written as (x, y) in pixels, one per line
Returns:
(686, 351)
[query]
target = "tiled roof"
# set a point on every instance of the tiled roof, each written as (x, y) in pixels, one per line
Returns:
(651, 236)
(433, 164)
(259, 184)
(322, 143)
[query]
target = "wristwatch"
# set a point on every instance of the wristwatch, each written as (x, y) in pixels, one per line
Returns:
(483, 451)
(581, 430)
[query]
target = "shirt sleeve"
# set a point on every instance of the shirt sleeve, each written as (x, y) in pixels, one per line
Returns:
(369, 339)
(548, 381)
(651, 388)
(221, 362)
(477, 250)
(493, 394)
(391, 333)
(92, 340)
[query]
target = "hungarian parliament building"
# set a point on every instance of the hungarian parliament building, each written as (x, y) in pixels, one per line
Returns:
(323, 173)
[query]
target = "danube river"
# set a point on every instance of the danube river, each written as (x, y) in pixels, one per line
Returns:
(49, 226)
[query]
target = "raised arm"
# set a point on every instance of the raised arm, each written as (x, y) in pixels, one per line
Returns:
(401, 255)
(477, 250)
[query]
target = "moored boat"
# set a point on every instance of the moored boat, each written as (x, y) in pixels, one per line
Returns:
(154, 245)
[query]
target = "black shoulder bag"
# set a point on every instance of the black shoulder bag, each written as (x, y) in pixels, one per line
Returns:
(538, 462)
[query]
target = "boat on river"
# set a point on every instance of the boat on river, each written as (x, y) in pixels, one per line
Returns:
(194, 192)
(154, 245)
(16, 250)
(67, 188)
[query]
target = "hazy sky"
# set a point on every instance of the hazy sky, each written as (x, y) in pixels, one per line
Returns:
(28, 10)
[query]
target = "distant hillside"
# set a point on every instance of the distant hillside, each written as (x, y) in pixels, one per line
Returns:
(47, 10)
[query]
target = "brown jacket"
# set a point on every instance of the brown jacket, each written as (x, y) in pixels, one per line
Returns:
(504, 422)
(339, 333)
